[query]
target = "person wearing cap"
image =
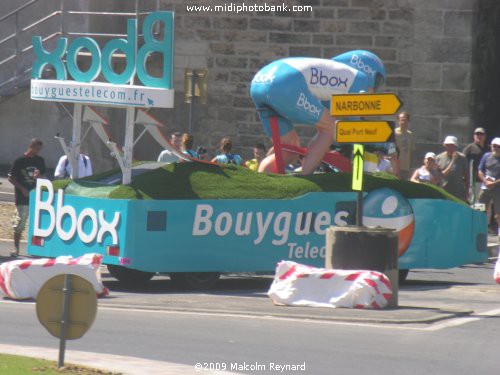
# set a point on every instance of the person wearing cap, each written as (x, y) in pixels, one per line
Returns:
(454, 169)
(405, 144)
(474, 152)
(489, 174)
(428, 172)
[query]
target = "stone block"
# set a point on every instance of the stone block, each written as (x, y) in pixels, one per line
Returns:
(353, 14)
(305, 51)
(425, 130)
(360, 41)
(197, 62)
(428, 23)
(364, 27)
(279, 24)
(457, 76)
(244, 36)
(230, 23)
(336, 3)
(289, 38)
(442, 103)
(323, 13)
(241, 76)
(386, 41)
(242, 101)
(386, 54)
(458, 24)
(400, 28)
(398, 68)
(427, 76)
(442, 4)
(323, 39)
(397, 81)
(334, 26)
(231, 62)
(329, 52)
(378, 14)
(191, 48)
(218, 76)
(460, 127)
(303, 26)
(401, 14)
(361, 3)
(222, 48)
(208, 34)
(196, 22)
(443, 50)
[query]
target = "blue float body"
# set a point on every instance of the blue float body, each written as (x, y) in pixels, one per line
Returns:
(446, 234)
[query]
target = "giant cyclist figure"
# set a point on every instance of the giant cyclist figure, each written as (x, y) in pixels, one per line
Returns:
(297, 90)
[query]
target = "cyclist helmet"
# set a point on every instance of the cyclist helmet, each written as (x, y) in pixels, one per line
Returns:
(366, 62)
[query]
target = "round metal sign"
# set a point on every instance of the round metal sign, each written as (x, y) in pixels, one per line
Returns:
(82, 306)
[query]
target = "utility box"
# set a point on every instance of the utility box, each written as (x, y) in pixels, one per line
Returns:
(360, 248)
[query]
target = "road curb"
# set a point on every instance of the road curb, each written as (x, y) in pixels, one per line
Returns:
(109, 362)
(270, 315)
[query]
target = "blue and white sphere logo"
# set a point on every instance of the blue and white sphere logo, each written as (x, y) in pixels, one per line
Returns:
(387, 208)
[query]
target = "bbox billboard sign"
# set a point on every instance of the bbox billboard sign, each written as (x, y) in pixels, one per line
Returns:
(88, 225)
(155, 92)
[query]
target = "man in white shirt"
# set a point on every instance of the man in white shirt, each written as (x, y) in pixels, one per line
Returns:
(63, 169)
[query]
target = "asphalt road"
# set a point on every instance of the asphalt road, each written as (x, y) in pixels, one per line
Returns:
(326, 348)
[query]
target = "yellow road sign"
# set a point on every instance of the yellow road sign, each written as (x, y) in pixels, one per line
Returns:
(357, 168)
(364, 131)
(364, 104)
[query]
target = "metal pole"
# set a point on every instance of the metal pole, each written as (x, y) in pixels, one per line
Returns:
(191, 104)
(63, 28)
(359, 209)
(64, 320)
(128, 147)
(76, 140)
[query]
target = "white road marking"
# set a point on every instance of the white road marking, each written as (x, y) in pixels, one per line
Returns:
(463, 320)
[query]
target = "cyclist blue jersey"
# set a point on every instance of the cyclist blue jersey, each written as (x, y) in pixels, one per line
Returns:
(298, 89)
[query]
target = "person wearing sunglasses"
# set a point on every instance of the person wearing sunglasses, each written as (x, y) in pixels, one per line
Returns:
(489, 174)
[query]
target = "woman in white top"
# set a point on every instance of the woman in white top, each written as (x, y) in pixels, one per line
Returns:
(429, 172)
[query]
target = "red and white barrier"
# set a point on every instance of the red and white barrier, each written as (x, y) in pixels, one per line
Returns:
(22, 279)
(299, 285)
(496, 272)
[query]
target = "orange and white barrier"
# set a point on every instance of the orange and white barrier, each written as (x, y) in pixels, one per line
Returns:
(300, 285)
(22, 279)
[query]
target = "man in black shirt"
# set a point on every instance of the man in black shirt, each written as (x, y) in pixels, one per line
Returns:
(23, 174)
(474, 152)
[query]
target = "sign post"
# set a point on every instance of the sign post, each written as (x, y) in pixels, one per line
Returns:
(357, 181)
(363, 131)
(66, 305)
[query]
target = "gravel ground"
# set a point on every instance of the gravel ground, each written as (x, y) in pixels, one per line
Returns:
(6, 212)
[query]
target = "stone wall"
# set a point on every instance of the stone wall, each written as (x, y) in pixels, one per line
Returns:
(426, 45)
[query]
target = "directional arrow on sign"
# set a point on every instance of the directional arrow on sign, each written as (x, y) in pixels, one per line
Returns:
(364, 104)
(357, 168)
(364, 131)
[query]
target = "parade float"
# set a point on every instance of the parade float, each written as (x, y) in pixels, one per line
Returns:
(194, 220)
